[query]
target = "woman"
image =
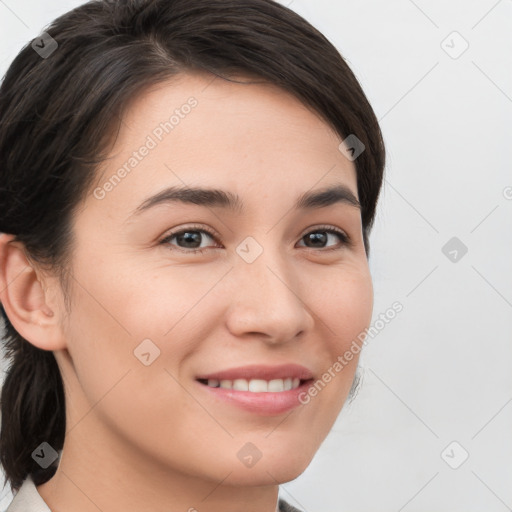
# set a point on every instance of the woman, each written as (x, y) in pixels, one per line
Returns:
(188, 189)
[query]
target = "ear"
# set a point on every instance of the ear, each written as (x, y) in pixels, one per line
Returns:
(34, 313)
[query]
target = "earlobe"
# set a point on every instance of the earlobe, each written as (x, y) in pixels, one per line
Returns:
(24, 299)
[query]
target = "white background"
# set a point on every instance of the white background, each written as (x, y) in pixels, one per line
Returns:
(441, 371)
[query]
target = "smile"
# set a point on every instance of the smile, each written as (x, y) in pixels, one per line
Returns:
(255, 385)
(259, 389)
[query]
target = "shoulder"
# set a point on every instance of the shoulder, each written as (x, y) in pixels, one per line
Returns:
(27, 499)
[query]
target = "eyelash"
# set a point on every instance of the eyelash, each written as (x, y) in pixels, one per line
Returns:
(344, 238)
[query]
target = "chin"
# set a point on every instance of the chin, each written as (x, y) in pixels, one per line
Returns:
(264, 476)
(282, 467)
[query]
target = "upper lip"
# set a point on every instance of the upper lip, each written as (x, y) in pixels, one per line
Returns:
(263, 372)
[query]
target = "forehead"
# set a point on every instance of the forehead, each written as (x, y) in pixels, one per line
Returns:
(248, 137)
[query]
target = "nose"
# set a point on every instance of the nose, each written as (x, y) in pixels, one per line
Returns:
(268, 300)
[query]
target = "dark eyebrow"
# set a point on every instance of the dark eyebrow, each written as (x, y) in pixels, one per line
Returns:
(327, 197)
(212, 197)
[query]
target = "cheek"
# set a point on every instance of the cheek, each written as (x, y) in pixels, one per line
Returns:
(120, 314)
(345, 305)
(111, 318)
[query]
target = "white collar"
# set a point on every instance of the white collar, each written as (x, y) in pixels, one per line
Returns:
(27, 499)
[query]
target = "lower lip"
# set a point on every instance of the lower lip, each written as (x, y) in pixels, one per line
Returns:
(265, 403)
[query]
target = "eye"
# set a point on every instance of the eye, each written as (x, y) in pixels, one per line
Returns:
(191, 238)
(320, 236)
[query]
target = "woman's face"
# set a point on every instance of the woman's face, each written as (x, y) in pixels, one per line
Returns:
(275, 296)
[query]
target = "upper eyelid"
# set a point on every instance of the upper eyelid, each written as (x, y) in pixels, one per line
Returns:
(208, 231)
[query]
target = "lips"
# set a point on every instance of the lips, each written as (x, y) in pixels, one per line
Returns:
(259, 389)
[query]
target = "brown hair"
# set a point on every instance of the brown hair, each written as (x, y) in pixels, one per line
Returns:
(59, 112)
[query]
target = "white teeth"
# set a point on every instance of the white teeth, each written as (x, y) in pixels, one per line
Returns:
(276, 385)
(240, 385)
(256, 385)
